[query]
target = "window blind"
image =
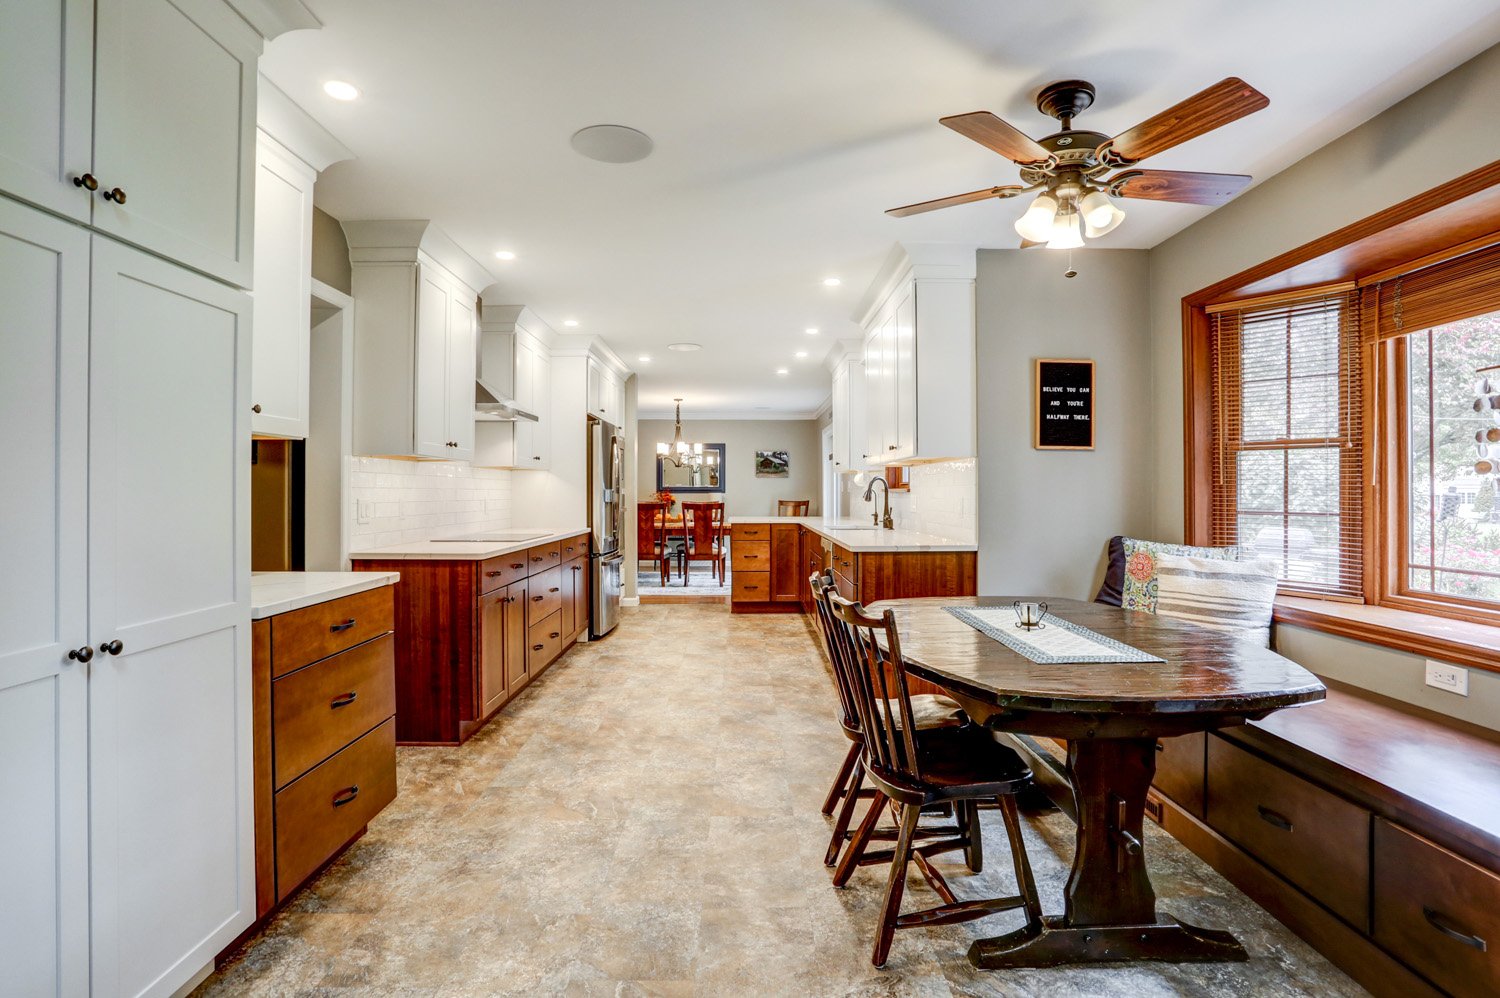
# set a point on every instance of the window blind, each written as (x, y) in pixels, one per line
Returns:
(1445, 292)
(1286, 428)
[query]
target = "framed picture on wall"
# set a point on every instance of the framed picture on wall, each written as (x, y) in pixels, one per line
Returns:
(1063, 405)
(772, 464)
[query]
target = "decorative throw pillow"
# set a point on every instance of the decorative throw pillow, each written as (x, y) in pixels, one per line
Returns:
(1130, 580)
(1231, 596)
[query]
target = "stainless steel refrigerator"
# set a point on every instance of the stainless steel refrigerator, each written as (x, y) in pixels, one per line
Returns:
(606, 480)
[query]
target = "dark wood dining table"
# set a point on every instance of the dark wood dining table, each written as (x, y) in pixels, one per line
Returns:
(1111, 716)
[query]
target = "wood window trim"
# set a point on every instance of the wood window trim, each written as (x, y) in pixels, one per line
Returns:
(1452, 219)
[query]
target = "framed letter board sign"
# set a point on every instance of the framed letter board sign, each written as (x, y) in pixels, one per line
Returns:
(1064, 405)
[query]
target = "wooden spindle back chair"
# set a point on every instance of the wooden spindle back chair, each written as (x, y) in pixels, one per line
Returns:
(651, 535)
(793, 507)
(703, 537)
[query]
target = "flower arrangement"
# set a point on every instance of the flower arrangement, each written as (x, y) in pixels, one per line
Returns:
(662, 495)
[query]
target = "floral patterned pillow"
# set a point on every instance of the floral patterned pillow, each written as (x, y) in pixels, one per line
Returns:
(1141, 558)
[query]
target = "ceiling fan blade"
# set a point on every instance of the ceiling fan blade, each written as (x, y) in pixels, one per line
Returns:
(1178, 185)
(994, 134)
(1225, 101)
(921, 206)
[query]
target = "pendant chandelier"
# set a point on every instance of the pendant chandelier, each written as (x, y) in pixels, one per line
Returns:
(679, 451)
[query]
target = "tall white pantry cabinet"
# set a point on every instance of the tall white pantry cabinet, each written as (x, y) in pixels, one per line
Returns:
(126, 150)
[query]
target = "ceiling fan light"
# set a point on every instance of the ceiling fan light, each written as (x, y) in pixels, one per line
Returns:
(1036, 224)
(1111, 221)
(1095, 207)
(1064, 233)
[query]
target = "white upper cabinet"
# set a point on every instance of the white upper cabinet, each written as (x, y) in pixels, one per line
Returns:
(416, 341)
(606, 393)
(850, 434)
(174, 130)
(515, 365)
(46, 75)
(283, 291)
(919, 356)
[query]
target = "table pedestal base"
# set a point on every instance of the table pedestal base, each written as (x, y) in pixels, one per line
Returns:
(1057, 943)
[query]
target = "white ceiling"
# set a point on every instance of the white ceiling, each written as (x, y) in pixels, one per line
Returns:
(783, 129)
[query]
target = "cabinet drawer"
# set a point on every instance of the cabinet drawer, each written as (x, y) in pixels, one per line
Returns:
(750, 556)
(750, 587)
(326, 808)
(750, 531)
(543, 557)
(844, 562)
(1317, 840)
(1180, 770)
(844, 586)
(544, 642)
(320, 709)
(575, 547)
(1437, 912)
(300, 637)
(500, 571)
(544, 595)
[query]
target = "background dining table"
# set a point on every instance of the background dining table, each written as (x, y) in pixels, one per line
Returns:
(1111, 715)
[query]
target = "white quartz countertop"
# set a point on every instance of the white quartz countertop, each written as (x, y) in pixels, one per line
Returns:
(857, 535)
(439, 550)
(277, 592)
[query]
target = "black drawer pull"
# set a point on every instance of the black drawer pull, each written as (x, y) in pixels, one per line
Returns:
(1274, 818)
(494, 574)
(537, 599)
(345, 796)
(554, 634)
(537, 647)
(342, 701)
(555, 589)
(342, 627)
(518, 564)
(1448, 929)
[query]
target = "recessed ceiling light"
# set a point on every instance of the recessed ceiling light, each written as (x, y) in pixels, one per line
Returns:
(832, 282)
(570, 323)
(811, 330)
(339, 90)
(612, 143)
(644, 358)
(684, 347)
(801, 354)
(781, 370)
(504, 255)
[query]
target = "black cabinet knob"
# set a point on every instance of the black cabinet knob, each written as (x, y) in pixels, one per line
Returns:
(115, 194)
(255, 408)
(81, 654)
(112, 647)
(87, 182)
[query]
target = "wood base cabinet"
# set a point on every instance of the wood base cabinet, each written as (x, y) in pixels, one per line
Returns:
(470, 635)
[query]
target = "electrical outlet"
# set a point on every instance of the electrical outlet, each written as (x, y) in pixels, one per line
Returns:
(366, 511)
(1451, 678)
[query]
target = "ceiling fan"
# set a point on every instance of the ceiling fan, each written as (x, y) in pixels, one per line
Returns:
(1075, 170)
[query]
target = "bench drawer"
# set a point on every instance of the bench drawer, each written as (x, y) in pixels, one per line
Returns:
(1315, 839)
(318, 813)
(750, 531)
(544, 595)
(751, 556)
(300, 637)
(1180, 770)
(320, 709)
(502, 570)
(750, 587)
(1437, 912)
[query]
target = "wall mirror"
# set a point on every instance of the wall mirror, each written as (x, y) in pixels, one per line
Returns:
(697, 472)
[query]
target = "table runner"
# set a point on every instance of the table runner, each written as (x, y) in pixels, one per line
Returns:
(1060, 641)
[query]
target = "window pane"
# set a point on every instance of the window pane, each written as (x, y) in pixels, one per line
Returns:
(1304, 548)
(1263, 411)
(1261, 479)
(1453, 512)
(1315, 407)
(1314, 479)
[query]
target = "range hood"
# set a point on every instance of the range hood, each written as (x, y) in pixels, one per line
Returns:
(492, 403)
(494, 384)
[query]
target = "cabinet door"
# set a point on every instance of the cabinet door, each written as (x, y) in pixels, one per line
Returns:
(280, 350)
(459, 391)
(44, 340)
(516, 673)
(492, 682)
(170, 801)
(541, 396)
(874, 357)
(174, 128)
(903, 442)
(596, 389)
(47, 71)
(579, 570)
(786, 563)
(430, 415)
(841, 419)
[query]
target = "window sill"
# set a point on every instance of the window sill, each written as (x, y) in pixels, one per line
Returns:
(1457, 641)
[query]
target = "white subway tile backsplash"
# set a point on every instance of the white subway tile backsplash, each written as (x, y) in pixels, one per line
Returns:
(943, 500)
(415, 501)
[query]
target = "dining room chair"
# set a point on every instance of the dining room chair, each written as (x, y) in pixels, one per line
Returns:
(912, 769)
(651, 536)
(703, 537)
(793, 507)
(931, 710)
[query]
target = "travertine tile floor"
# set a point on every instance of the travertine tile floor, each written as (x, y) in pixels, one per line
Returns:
(644, 821)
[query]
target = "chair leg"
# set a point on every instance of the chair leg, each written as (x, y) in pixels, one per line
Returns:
(841, 780)
(1024, 881)
(849, 862)
(896, 886)
(846, 813)
(974, 850)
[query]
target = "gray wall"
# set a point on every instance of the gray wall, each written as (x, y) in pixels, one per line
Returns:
(1045, 517)
(1385, 161)
(746, 495)
(330, 252)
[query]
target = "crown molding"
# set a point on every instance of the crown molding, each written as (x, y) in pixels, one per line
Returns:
(295, 130)
(275, 17)
(916, 261)
(406, 240)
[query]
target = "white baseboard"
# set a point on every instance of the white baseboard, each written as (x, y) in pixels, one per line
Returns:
(630, 601)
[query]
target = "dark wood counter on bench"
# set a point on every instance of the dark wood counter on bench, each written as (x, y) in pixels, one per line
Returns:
(1370, 826)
